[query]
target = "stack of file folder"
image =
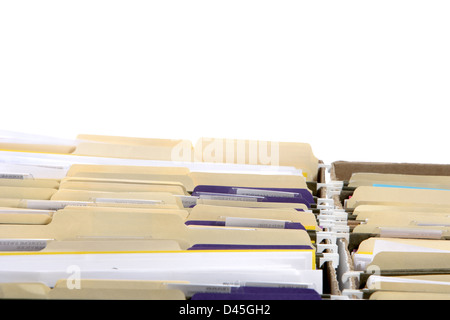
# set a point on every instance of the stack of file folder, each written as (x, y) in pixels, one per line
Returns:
(399, 222)
(104, 217)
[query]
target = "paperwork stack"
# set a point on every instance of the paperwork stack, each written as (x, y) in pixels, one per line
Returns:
(104, 217)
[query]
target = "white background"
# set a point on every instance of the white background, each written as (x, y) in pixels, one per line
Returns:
(358, 80)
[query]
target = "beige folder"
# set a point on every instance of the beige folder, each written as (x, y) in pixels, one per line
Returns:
(375, 223)
(30, 183)
(111, 245)
(291, 154)
(131, 147)
(164, 175)
(183, 214)
(13, 203)
(393, 295)
(403, 262)
(84, 224)
(183, 180)
(10, 215)
(38, 147)
(42, 217)
(80, 169)
(160, 198)
(220, 213)
(92, 290)
(403, 256)
(248, 180)
(369, 244)
(417, 221)
(113, 185)
(59, 204)
(363, 212)
(419, 181)
(187, 178)
(134, 141)
(26, 193)
(429, 283)
(251, 204)
(398, 196)
(95, 149)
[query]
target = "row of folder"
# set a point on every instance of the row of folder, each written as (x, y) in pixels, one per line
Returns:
(400, 227)
(104, 217)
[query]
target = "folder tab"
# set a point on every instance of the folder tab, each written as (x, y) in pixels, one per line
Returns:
(156, 219)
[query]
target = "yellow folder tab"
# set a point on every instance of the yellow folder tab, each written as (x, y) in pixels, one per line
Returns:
(399, 230)
(398, 196)
(221, 213)
(412, 245)
(30, 183)
(15, 290)
(87, 246)
(55, 205)
(38, 147)
(87, 289)
(164, 175)
(132, 147)
(407, 180)
(167, 179)
(135, 141)
(159, 198)
(187, 178)
(12, 203)
(68, 225)
(363, 212)
(182, 213)
(402, 254)
(428, 283)
(80, 169)
(251, 204)
(404, 261)
(375, 222)
(24, 216)
(393, 295)
(131, 203)
(125, 186)
(110, 150)
(292, 154)
(248, 180)
(115, 290)
(26, 193)
(410, 221)
(111, 245)
(119, 180)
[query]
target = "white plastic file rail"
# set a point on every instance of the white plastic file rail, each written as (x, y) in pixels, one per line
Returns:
(340, 230)
(335, 219)
(332, 188)
(352, 293)
(332, 220)
(326, 235)
(331, 236)
(340, 214)
(333, 257)
(325, 204)
(350, 274)
(333, 248)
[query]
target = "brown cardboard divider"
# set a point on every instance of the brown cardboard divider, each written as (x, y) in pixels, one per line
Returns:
(343, 170)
